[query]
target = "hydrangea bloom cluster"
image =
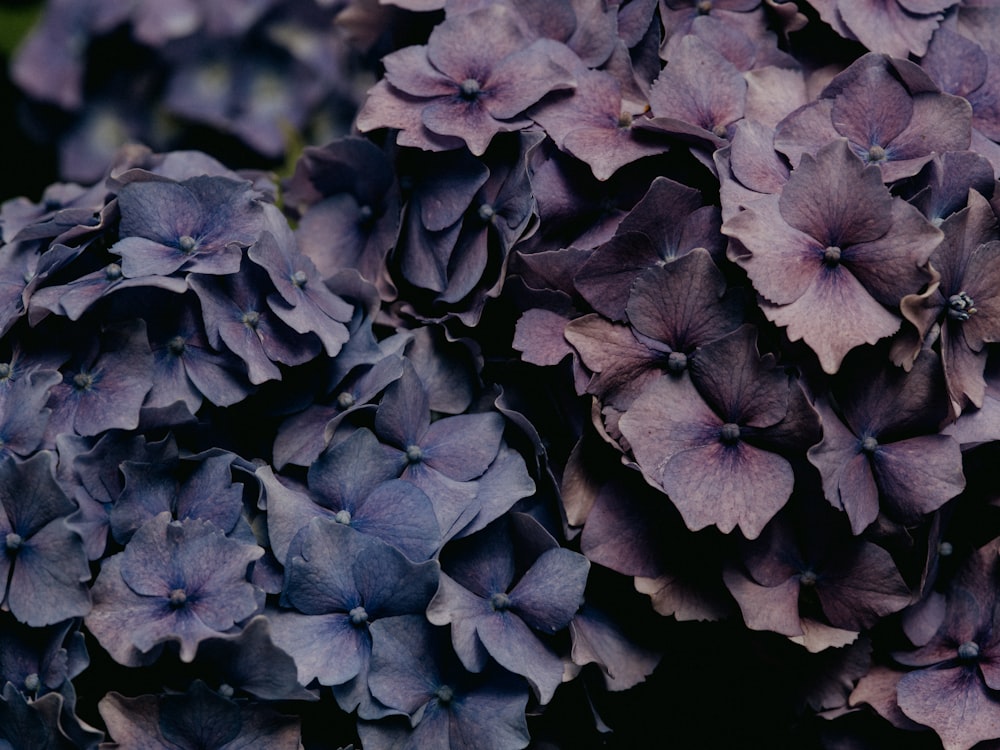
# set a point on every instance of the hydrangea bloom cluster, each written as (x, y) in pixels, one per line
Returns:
(623, 358)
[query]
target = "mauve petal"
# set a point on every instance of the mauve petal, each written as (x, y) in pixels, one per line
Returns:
(347, 471)
(404, 661)
(402, 515)
(550, 593)
(918, 475)
(886, 27)
(953, 702)
(874, 107)
(740, 386)
(833, 316)
(466, 43)
(524, 77)
(805, 131)
(468, 120)
(773, 93)
(388, 107)
(454, 502)
(963, 368)
(514, 646)
(159, 210)
(409, 70)
(728, 486)
(783, 263)
(835, 199)
(539, 337)
(982, 282)
(319, 579)
(47, 583)
(134, 722)
(605, 279)
(403, 416)
(940, 123)
(754, 161)
(462, 447)
(327, 648)
(773, 608)
(856, 595)
(878, 690)
(957, 64)
(288, 511)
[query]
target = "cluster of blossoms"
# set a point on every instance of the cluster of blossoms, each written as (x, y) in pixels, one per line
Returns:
(621, 350)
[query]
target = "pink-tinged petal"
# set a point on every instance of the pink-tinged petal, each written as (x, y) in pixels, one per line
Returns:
(918, 475)
(782, 262)
(858, 592)
(605, 279)
(468, 120)
(521, 79)
(896, 264)
(598, 639)
(981, 281)
(953, 702)
(686, 599)
(326, 647)
(550, 593)
(539, 337)
(728, 486)
(622, 366)
(833, 316)
(888, 28)
(963, 368)
(957, 64)
(848, 483)
(466, 43)
(835, 199)
(873, 107)
(941, 122)
(409, 71)
(818, 636)
(607, 150)
(753, 159)
(388, 107)
(773, 608)
(878, 690)
(773, 93)
(805, 131)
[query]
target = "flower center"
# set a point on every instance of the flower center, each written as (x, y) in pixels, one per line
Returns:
(414, 454)
(704, 7)
(677, 362)
(968, 651)
(112, 272)
(83, 381)
(187, 243)
(869, 444)
(299, 278)
(807, 578)
(625, 120)
(729, 433)
(365, 214)
(358, 616)
(960, 307)
(486, 212)
(499, 602)
(343, 517)
(444, 694)
(345, 400)
(251, 319)
(176, 345)
(178, 598)
(14, 541)
(876, 153)
(469, 89)
(5, 370)
(719, 131)
(32, 682)
(945, 549)
(226, 690)
(831, 256)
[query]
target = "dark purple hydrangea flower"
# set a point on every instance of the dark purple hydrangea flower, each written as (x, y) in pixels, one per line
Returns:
(818, 587)
(834, 253)
(24, 415)
(47, 723)
(498, 601)
(716, 442)
(964, 306)
(953, 688)
(337, 583)
(891, 113)
(181, 581)
(43, 562)
(105, 384)
(199, 719)
(37, 660)
(415, 671)
(880, 449)
(353, 483)
(475, 78)
(198, 225)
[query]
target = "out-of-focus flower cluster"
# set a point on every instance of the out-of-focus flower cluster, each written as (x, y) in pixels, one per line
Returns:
(613, 361)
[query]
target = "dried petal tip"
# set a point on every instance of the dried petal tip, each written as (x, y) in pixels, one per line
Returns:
(677, 362)
(414, 454)
(960, 306)
(729, 433)
(499, 602)
(358, 616)
(343, 517)
(876, 154)
(968, 651)
(831, 256)
(469, 88)
(178, 598)
(113, 272)
(187, 243)
(869, 444)
(14, 541)
(32, 683)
